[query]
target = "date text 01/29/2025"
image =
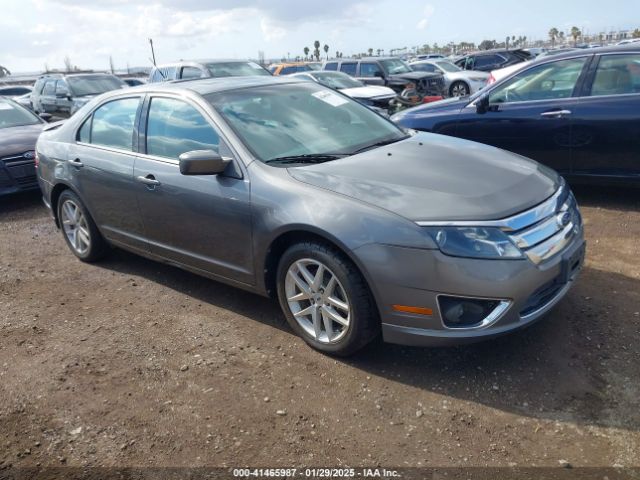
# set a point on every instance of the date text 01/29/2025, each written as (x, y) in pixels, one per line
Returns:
(314, 473)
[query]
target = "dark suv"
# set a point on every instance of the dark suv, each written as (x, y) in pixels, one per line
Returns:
(493, 59)
(63, 94)
(185, 70)
(388, 71)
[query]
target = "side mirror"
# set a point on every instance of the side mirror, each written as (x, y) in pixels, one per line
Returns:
(45, 116)
(482, 105)
(202, 162)
(378, 74)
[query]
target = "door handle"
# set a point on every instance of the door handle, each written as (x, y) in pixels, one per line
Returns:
(76, 162)
(556, 113)
(149, 180)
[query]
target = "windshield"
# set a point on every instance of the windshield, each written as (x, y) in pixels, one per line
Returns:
(287, 120)
(395, 66)
(337, 80)
(448, 67)
(94, 84)
(12, 115)
(235, 69)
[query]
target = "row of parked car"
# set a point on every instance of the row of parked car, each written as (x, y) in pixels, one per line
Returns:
(358, 224)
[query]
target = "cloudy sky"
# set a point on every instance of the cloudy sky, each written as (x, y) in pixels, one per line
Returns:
(35, 33)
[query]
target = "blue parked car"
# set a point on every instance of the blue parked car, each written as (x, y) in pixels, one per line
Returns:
(577, 112)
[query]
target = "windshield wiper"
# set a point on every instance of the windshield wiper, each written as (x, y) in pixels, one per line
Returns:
(306, 158)
(378, 144)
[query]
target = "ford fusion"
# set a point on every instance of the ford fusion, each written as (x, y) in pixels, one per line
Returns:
(289, 189)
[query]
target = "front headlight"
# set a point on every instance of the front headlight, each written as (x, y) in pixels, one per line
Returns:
(474, 242)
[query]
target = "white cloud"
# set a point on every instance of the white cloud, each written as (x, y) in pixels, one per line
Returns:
(427, 13)
(272, 30)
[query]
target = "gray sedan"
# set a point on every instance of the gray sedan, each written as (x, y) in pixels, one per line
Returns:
(458, 82)
(289, 189)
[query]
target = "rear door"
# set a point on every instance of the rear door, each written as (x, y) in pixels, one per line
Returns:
(101, 167)
(201, 221)
(607, 119)
(531, 113)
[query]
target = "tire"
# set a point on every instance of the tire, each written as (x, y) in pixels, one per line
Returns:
(349, 288)
(459, 89)
(79, 230)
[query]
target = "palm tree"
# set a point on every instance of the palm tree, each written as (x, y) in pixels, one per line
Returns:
(506, 42)
(561, 36)
(553, 34)
(575, 33)
(316, 52)
(370, 52)
(635, 33)
(306, 52)
(326, 50)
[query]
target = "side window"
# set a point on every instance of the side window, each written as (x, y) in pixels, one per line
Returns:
(348, 68)
(331, 66)
(617, 75)
(191, 72)
(84, 134)
(288, 70)
(175, 127)
(49, 87)
(113, 122)
(61, 88)
(484, 61)
(544, 82)
(370, 69)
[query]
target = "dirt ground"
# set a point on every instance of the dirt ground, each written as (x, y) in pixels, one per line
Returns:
(132, 363)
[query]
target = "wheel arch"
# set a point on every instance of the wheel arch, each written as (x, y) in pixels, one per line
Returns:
(456, 82)
(283, 240)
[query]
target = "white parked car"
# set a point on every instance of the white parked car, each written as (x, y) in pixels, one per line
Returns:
(374, 96)
(458, 82)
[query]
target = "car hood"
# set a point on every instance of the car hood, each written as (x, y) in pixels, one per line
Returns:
(370, 91)
(16, 140)
(432, 177)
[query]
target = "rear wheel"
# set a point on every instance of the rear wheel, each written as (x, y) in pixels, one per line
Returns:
(325, 299)
(459, 89)
(79, 230)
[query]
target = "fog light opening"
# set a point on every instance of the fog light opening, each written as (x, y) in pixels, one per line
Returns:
(461, 312)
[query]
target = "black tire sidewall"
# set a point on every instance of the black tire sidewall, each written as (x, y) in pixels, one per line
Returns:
(358, 333)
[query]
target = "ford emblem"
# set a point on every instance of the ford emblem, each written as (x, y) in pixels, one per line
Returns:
(563, 219)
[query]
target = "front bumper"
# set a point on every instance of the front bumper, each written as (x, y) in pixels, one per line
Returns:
(17, 174)
(421, 276)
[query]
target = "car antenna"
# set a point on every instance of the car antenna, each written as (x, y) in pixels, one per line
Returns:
(153, 59)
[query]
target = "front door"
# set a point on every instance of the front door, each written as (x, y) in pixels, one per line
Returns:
(101, 165)
(530, 114)
(200, 221)
(607, 120)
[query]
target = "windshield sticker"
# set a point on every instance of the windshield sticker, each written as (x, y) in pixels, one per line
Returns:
(330, 98)
(5, 106)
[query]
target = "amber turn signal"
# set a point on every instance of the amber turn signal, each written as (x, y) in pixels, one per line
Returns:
(414, 310)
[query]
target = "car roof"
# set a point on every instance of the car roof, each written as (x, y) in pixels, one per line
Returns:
(205, 86)
(581, 52)
(202, 62)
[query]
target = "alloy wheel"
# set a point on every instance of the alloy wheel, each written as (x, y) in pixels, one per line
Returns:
(75, 227)
(317, 300)
(459, 90)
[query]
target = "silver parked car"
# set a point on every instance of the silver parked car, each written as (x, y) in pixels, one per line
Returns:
(458, 82)
(287, 188)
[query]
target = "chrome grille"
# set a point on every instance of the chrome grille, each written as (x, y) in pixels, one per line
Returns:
(545, 230)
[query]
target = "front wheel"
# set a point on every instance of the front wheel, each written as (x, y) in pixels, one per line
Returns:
(325, 299)
(459, 89)
(79, 229)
